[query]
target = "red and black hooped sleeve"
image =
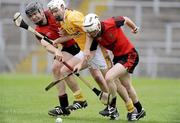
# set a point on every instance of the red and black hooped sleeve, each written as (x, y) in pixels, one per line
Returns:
(119, 21)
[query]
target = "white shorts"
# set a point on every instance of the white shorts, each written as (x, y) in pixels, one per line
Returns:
(80, 55)
(97, 62)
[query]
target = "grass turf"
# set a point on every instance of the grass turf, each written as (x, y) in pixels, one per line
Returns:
(23, 100)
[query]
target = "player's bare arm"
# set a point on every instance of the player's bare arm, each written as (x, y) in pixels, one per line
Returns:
(50, 48)
(131, 24)
(87, 53)
(88, 43)
(64, 38)
(83, 63)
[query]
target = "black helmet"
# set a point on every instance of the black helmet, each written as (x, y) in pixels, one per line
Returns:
(32, 7)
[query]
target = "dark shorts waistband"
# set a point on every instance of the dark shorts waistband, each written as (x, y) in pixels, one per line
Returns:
(73, 49)
(129, 60)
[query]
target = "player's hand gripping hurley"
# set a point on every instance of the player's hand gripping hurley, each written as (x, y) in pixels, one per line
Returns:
(18, 20)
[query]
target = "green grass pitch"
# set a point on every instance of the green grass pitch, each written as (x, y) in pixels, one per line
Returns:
(24, 100)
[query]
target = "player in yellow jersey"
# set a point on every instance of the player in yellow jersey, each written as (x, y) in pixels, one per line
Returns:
(71, 22)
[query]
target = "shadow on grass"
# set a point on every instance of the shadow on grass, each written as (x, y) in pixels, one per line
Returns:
(106, 120)
(74, 119)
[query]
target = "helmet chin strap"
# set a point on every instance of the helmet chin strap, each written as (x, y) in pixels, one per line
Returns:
(43, 21)
(99, 30)
(59, 18)
(63, 10)
(98, 33)
(40, 23)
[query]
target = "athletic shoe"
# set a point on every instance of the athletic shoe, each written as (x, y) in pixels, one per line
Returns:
(110, 111)
(141, 114)
(132, 116)
(114, 115)
(77, 105)
(59, 111)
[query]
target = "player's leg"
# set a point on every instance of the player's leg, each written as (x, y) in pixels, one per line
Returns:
(99, 78)
(80, 101)
(72, 84)
(112, 90)
(62, 96)
(122, 93)
(108, 59)
(127, 83)
(97, 63)
(63, 99)
(127, 64)
(116, 71)
(111, 109)
(120, 88)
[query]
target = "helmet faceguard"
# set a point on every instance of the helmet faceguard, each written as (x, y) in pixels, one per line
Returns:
(57, 7)
(91, 23)
(35, 13)
(56, 4)
(32, 8)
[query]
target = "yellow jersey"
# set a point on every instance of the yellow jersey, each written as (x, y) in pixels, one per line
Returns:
(72, 23)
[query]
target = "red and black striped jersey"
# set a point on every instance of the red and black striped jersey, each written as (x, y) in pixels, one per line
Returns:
(113, 38)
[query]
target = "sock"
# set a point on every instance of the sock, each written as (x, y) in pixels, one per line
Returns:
(113, 102)
(130, 107)
(78, 96)
(138, 106)
(96, 91)
(63, 100)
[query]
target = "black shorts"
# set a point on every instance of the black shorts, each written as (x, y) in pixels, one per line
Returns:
(129, 60)
(73, 50)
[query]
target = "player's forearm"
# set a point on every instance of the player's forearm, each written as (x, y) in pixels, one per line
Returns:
(130, 23)
(49, 47)
(88, 43)
(92, 53)
(84, 61)
(64, 38)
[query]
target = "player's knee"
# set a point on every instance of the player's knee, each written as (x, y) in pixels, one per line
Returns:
(64, 71)
(108, 78)
(98, 79)
(56, 69)
(127, 86)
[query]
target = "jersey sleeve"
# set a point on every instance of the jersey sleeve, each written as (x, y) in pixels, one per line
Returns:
(76, 19)
(119, 21)
(38, 38)
(94, 45)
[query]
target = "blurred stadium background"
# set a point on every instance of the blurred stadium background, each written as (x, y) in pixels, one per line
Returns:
(158, 42)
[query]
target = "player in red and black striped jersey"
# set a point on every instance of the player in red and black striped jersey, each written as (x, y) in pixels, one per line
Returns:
(51, 29)
(108, 33)
(47, 26)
